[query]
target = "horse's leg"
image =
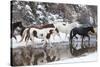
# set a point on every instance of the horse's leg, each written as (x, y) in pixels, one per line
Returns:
(71, 38)
(67, 35)
(26, 39)
(59, 35)
(54, 34)
(45, 43)
(76, 37)
(32, 38)
(72, 34)
(76, 41)
(88, 40)
(26, 42)
(50, 43)
(82, 42)
(71, 45)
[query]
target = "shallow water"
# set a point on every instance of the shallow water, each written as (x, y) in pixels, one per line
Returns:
(59, 51)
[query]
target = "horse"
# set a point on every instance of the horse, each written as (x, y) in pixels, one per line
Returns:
(82, 31)
(43, 32)
(66, 27)
(13, 28)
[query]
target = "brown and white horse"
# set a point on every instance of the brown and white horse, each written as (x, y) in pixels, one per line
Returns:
(42, 32)
(45, 31)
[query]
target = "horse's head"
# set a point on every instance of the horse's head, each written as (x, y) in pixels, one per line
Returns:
(92, 29)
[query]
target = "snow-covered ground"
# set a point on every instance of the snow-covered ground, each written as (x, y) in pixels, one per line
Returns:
(88, 58)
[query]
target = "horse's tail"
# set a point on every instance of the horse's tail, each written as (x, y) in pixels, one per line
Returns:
(24, 34)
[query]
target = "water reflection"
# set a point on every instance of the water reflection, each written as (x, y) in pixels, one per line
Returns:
(31, 55)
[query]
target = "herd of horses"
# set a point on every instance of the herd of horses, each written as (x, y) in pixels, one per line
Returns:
(46, 30)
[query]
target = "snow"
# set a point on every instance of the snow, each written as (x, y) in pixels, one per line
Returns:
(91, 20)
(19, 7)
(50, 16)
(55, 17)
(41, 16)
(38, 12)
(87, 58)
(27, 7)
(30, 13)
(40, 7)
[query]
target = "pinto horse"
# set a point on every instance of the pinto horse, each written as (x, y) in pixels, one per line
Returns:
(83, 31)
(43, 32)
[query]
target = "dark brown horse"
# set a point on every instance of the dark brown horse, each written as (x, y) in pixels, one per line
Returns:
(82, 31)
(14, 26)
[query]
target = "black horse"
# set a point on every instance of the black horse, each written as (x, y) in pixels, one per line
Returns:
(14, 26)
(83, 31)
